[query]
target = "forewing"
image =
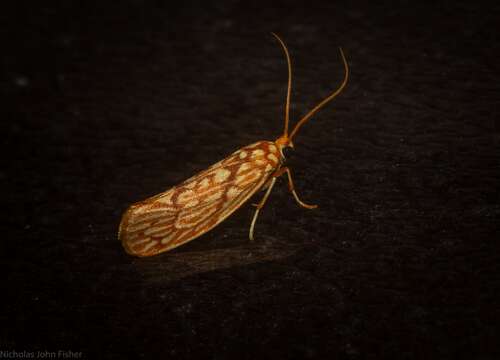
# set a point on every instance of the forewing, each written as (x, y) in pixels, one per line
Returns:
(185, 212)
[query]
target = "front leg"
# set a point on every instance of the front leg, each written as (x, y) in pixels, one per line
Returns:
(269, 185)
(291, 187)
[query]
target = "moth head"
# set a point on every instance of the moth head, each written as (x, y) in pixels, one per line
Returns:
(283, 142)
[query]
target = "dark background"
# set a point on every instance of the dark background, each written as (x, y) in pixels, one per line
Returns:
(105, 104)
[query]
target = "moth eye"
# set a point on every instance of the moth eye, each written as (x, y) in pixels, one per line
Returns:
(287, 152)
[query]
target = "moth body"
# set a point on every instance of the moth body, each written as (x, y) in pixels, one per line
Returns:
(181, 214)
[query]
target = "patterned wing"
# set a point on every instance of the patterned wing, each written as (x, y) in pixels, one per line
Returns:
(187, 211)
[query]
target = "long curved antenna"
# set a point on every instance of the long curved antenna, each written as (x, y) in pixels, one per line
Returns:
(325, 101)
(289, 90)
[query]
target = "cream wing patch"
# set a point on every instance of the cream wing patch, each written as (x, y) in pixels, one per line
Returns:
(167, 198)
(204, 184)
(221, 175)
(273, 158)
(257, 153)
(233, 192)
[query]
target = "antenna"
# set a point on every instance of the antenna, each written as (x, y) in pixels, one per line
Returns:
(289, 89)
(326, 100)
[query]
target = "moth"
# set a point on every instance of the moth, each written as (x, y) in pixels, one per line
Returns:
(190, 209)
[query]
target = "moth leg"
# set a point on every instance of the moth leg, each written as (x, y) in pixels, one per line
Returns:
(265, 187)
(259, 206)
(291, 187)
(267, 184)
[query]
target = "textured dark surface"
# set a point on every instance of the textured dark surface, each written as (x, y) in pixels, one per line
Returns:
(105, 105)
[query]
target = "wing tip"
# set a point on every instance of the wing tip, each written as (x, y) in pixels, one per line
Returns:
(122, 233)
